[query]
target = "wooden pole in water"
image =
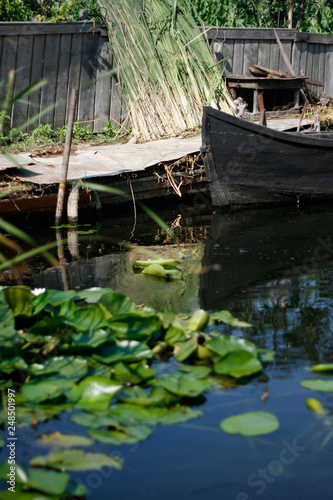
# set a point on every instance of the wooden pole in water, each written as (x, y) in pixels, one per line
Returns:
(64, 170)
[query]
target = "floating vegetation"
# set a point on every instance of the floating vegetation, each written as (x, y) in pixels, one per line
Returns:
(163, 268)
(250, 424)
(93, 354)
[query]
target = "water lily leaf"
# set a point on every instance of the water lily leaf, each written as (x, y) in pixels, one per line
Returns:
(123, 350)
(250, 424)
(318, 385)
(48, 325)
(266, 355)
(164, 262)
(70, 367)
(92, 339)
(132, 435)
(323, 367)
(150, 415)
(198, 321)
(89, 318)
(174, 335)
(315, 405)
(187, 348)
(95, 420)
(25, 495)
(137, 325)
(229, 319)
(135, 395)
(179, 414)
(96, 392)
(58, 440)
(38, 390)
(10, 365)
(76, 460)
(133, 373)
(66, 309)
(238, 364)
(2, 441)
(53, 297)
(160, 396)
(196, 371)
(116, 303)
(155, 269)
(8, 334)
(224, 344)
(93, 295)
(19, 299)
(183, 385)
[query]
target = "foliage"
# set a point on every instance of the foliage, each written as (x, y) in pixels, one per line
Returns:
(47, 10)
(167, 70)
(95, 352)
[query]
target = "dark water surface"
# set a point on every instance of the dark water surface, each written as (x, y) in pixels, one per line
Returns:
(271, 267)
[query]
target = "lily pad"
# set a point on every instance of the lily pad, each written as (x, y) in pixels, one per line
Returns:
(96, 392)
(250, 424)
(155, 269)
(137, 325)
(38, 390)
(318, 385)
(187, 348)
(238, 364)
(123, 350)
(183, 385)
(70, 367)
(225, 344)
(229, 319)
(323, 367)
(76, 460)
(58, 440)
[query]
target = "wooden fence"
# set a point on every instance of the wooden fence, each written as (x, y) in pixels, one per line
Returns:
(79, 55)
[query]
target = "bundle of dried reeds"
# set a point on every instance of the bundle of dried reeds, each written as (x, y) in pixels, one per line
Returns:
(167, 70)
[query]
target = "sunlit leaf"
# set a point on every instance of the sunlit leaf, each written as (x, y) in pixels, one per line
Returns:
(227, 317)
(19, 299)
(76, 460)
(135, 325)
(225, 344)
(238, 364)
(183, 385)
(116, 303)
(318, 385)
(323, 367)
(58, 440)
(96, 392)
(250, 424)
(71, 367)
(37, 390)
(186, 349)
(123, 350)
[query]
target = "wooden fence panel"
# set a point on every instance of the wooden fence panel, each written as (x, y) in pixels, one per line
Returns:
(79, 55)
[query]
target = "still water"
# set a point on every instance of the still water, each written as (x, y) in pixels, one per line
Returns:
(271, 267)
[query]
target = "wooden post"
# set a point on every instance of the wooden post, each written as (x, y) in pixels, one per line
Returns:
(64, 170)
(262, 116)
(73, 204)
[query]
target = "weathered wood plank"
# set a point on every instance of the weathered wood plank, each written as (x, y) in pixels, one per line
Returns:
(88, 78)
(238, 62)
(36, 74)
(35, 28)
(264, 53)
(22, 79)
(62, 81)
(329, 71)
(115, 104)
(250, 55)
(323, 38)
(287, 48)
(249, 33)
(50, 70)
(103, 84)
(296, 58)
(8, 60)
(275, 56)
(321, 70)
(303, 59)
(75, 67)
(315, 68)
(225, 55)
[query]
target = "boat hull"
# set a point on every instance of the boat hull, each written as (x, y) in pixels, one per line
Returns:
(247, 163)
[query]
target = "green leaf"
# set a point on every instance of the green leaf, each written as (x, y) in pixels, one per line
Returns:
(53, 297)
(225, 344)
(117, 303)
(137, 325)
(92, 339)
(174, 335)
(250, 424)
(135, 395)
(183, 385)
(187, 348)
(95, 420)
(133, 373)
(58, 440)
(146, 414)
(88, 318)
(70, 367)
(19, 299)
(48, 326)
(130, 435)
(96, 392)
(123, 350)
(2, 441)
(164, 262)
(8, 334)
(318, 385)
(238, 364)
(76, 460)
(323, 367)
(155, 269)
(93, 295)
(198, 321)
(179, 414)
(38, 390)
(228, 318)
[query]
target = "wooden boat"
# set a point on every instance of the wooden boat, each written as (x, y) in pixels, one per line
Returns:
(247, 163)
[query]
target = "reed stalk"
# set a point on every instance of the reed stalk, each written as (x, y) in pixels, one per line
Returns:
(166, 67)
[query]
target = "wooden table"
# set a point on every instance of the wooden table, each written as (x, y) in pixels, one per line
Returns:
(260, 84)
